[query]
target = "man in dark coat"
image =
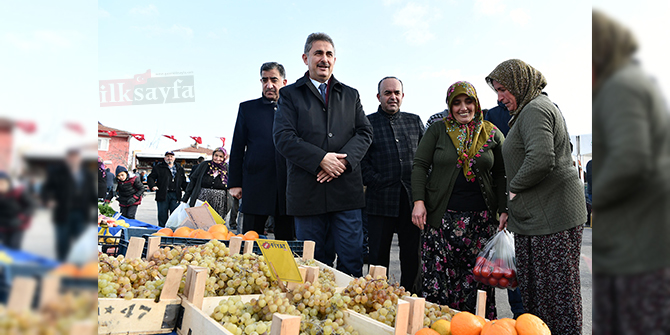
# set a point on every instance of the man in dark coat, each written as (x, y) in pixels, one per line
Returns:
(321, 129)
(255, 165)
(168, 180)
(70, 191)
(387, 173)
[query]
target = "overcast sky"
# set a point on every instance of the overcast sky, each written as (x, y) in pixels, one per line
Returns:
(63, 50)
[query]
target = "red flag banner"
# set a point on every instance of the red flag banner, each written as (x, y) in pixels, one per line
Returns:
(76, 127)
(111, 133)
(28, 127)
(171, 137)
(223, 141)
(139, 137)
(197, 139)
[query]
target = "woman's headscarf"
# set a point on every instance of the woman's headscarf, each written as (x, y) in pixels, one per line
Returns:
(522, 80)
(219, 169)
(467, 138)
(613, 47)
(101, 167)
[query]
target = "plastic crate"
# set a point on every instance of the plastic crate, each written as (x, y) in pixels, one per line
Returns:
(127, 233)
(10, 271)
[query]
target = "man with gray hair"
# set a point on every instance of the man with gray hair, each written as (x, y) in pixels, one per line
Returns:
(255, 167)
(387, 173)
(322, 131)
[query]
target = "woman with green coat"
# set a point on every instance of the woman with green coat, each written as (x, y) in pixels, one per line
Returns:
(458, 187)
(547, 208)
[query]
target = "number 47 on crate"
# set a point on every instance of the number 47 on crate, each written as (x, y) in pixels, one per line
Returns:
(280, 258)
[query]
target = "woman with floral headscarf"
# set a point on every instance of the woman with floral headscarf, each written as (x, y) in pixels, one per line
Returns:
(546, 204)
(209, 182)
(456, 205)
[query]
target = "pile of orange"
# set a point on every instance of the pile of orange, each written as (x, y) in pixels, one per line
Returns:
(90, 270)
(217, 231)
(465, 323)
(163, 232)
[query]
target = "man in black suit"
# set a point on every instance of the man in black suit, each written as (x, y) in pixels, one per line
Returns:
(168, 180)
(322, 131)
(255, 166)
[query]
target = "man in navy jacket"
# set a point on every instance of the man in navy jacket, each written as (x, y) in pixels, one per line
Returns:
(256, 168)
(322, 131)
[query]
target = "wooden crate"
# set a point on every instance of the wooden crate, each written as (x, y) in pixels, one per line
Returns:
(417, 308)
(142, 316)
(197, 310)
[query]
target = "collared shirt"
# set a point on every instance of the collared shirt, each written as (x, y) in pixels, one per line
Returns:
(387, 166)
(436, 117)
(316, 84)
(173, 170)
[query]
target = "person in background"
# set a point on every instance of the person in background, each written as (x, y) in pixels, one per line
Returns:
(321, 129)
(102, 180)
(631, 183)
(69, 190)
(457, 204)
(129, 191)
(209, 182)
(387, 173)
(546, 198)
(109, 180)
(16, 210)
(437, 117)
(195, 166)
(257, 169)
(500, 117)
(168, 180)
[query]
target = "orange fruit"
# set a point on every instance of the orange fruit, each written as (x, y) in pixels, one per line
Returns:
(218, 228)
(529, 324)
(206, 235)
(90, 270)
(250, 236)
(159, 234)
(68, 270)
(466, 323)
(219, 236)
(182, 232)
(166, 231)
(194, 233)
(426, 331)
(508, 321)
(498, 327)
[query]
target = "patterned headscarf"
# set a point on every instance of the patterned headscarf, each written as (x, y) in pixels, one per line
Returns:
(467, 138)
(101, 167)
(613, 47)
(219, 169)
(522, 80)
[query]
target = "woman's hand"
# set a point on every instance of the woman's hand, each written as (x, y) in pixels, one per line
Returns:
(503, 221)
(419, 214)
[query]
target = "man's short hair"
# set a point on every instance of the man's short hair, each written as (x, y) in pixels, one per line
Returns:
(317, 37)
(379, 86)
(269, 66)
(201, 159)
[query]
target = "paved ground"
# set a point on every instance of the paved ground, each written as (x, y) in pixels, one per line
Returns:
(39, 240)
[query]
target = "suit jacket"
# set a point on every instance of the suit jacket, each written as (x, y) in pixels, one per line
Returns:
(387, 166)
(70, 195)
(305, 129)
(255, 164)
(161, 176)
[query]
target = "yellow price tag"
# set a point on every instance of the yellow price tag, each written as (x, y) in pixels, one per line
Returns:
(279, 255)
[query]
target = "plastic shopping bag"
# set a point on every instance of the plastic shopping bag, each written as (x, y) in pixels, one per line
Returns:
(84, 250)
(177, 216)
(496, 263)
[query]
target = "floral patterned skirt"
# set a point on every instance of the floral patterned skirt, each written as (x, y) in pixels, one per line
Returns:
(218, 199)
(548, 273)
(448, 255)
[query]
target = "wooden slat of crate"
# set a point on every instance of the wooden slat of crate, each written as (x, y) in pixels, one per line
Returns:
(137, 316)
(198, 321)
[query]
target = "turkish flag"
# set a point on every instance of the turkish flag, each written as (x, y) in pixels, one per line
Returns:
(27, 126)
(171, 137)
(76, 127)
(111, 133)
(223, 141)
(197, 139)
(139, 137)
